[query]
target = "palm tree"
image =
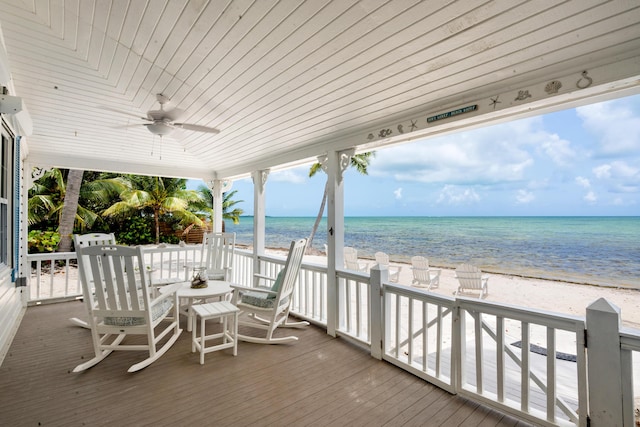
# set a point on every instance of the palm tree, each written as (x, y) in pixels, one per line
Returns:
(54, 202)
(161, 196)
(228, 210)
(69, 209)
(358, 161)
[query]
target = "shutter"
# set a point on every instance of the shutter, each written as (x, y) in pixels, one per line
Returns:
(16, 209)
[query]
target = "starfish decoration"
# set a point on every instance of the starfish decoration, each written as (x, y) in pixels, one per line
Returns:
(413, 124)
(494, 101)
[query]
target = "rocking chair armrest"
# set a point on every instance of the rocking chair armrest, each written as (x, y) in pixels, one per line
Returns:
(262, 276)
(166, 292)
(241, 288)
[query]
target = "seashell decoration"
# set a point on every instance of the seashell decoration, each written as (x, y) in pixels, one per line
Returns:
(553, 87)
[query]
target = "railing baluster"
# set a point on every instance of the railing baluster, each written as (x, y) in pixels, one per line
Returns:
(500, 367)
(425, 337)
(525, 369)
(478, 343)
(551, 374)
(439, 326)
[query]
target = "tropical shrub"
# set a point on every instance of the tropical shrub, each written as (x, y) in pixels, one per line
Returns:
(136, 230)
(41, 241)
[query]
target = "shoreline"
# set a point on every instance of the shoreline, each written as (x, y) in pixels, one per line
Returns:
(537, 293)
(319, 253)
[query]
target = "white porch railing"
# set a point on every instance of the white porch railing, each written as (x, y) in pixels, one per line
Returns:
(466, 346)
(53, 277)
(630, 353)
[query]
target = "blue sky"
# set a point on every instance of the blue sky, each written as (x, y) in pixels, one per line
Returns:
(583, 161)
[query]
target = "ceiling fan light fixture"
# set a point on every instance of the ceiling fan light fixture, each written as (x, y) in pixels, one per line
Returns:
(159, 128)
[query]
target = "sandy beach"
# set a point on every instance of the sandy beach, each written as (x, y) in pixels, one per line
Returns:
(548, 295)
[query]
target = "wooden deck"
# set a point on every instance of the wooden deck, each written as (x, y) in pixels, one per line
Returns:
(317, 381)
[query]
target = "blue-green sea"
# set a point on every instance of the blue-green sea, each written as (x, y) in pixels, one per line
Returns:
(593, 250)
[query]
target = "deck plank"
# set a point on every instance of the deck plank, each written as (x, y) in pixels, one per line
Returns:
(319, 380)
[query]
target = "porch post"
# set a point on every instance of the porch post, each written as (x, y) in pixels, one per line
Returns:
(259, 214)
(337, 163)
(378, 275)
(604, 367)
(218, 187)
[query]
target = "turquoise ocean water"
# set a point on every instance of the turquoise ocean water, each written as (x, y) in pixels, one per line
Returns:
(594, 250)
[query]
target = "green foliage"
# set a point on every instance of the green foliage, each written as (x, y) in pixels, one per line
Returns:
(43, 241)
(136, 230)
(205, 206)
(171, 239)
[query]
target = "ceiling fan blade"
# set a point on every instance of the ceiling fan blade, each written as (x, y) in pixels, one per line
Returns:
(126, 113)
(196, 128)
(173, 114)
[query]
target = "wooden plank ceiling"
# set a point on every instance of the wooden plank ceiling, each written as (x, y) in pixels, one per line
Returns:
(285, 81)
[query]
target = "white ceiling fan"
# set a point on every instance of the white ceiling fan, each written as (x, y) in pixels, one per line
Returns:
(163, 122)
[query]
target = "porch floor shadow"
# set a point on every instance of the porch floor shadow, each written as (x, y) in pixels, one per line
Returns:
(316, 381)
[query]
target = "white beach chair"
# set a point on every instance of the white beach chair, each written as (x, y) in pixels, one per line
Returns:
(351, 260)
(383, 260)
(423, 275)
(471, 278)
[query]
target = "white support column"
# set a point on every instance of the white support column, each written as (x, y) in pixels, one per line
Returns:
(379, 275)
(337, 163)
(259, 215)
(218, 188)
(604, 365)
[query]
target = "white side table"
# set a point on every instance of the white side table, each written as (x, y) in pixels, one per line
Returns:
(213, 310)
(215, 288)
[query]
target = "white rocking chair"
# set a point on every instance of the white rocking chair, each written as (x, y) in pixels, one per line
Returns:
(268, 308)
(120, 304)
(83, 241)
(217, 255)
(471, 278)
(423, 275)
(383, 260)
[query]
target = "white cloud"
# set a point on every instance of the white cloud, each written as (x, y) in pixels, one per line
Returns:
(297, 175)
(583, 182)
(455, 195)
(524, 196)
(398, 193)
(602, 171)
(620, 169)
(558, 150)
(614, 125)
(591, 197)
(619, 176)
(494, 154)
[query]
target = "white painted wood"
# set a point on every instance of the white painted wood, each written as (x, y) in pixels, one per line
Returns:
(11, 311)
(259, 218)
(629, 343)
(603, 343)
(379, 275)
(286, 82)
(335, 236)
(551, 374)
(500, 362)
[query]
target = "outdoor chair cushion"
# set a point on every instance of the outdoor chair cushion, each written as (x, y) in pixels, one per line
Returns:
(156, 312)
(259, 299)
(276, 284)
